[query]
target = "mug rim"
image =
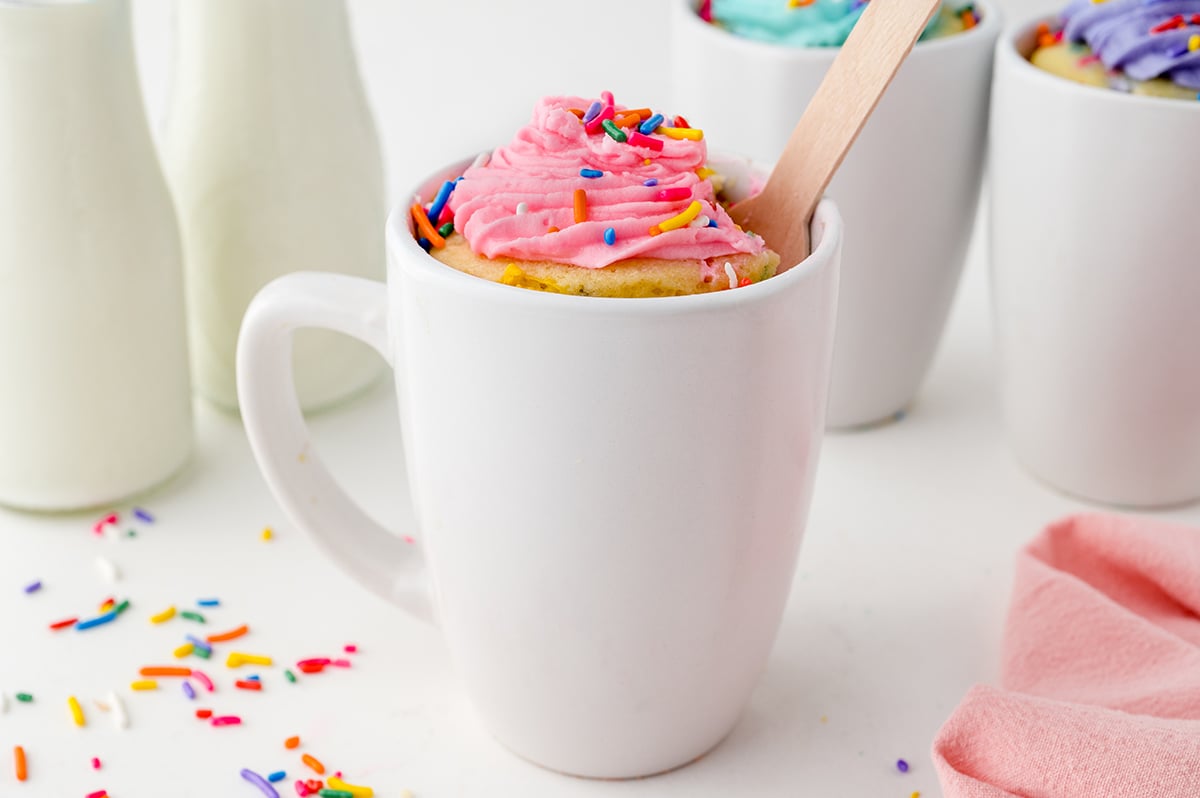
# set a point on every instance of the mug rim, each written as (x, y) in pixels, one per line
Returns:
(1010, 55)
(990, 24)
(404, 252)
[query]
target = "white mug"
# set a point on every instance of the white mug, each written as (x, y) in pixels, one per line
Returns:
(611, 492)
(908, 189)
(1096, 282)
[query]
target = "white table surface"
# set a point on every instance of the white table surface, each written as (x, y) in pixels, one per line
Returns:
(896, 610)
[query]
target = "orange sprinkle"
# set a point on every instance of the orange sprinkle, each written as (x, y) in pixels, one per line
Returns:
(165, 671)
(580, 205)
(552, 230)
(643, 113)
(313, 763)
(232, 634)
(800, 3)
(291, 742)
(968, 19)
(19, 760)
(426, 228)
(204, 714)
(627, 120)
(577, 111)
(246, 684)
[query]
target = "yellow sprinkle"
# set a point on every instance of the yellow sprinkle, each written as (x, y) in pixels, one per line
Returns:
(147, 684)
(163, 616)
(185, 650)
(646, 161)
(237, 659)
(1194, 43)
(107, 605)
(681, 133)
(680, 220)
(76, 711)
(824, 718)
(915, 793)
(267, 534)
(358, 792)
(704, 172)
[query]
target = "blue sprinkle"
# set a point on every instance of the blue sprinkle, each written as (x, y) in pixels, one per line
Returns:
(439, 202)
(254, 678)
(99, 620)
(650, 182)
(593, 111)
(592, 173)
(33, 587)
(610, 236)
(278, 775)
(198, 643)
(209, 602)
(459, 179)
(142, 515)
(712, 222)
(189, 691)
(425, 243)
(651, 124)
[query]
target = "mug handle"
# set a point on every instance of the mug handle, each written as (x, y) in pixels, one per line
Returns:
(280, 439)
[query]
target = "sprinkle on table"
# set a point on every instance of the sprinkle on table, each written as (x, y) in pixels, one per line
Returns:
(95, 763)
(201, 677)
(143, 685)
(189, 691)
(188, 615)
(237, 659)
(165, 670)
(258, 781)
(142, 515)
(99, 620)
(21, 766)
(24, 698)
(33, 587)
(107, 569)
(120, 718)
(352, 789)
(76, 711)
(248, 684)
(267, 533)
(208, 602)
(184, 651)
(314, 764)
(164, 616)
(97, 794)
(232, 634)
(278, 775)
(291, 677)
(902, 765)
(291, 743)
(64, 623)
(227, 720)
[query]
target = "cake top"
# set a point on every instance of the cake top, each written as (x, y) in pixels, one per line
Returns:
(590, 183)
(797, 23)
(1144, 38)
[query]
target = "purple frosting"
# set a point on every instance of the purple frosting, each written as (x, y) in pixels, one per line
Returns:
(1119, 32)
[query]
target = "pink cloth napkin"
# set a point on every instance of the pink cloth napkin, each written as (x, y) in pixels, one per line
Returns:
(1101, 671)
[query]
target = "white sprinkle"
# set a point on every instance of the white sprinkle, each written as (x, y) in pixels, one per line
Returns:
(522, 207)
(699, 221)
(120, 719)
(108, 569)
(481, 160)
(731, 274)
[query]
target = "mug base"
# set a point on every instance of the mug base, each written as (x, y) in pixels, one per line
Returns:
(1083, 492)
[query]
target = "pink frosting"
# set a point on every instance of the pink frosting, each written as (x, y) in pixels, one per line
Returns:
(541, 168)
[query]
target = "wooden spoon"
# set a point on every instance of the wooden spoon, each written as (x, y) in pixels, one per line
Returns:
(861, 72)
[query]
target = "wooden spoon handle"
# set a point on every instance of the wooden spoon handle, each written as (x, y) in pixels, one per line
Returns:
(861, 72)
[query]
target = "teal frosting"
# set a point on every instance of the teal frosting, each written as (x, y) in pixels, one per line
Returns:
(823, 23)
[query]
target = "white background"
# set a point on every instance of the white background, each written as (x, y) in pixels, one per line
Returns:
(897, 607)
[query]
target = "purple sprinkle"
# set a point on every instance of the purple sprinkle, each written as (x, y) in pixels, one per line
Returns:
(650, 182)
(592, 111)
(189, 691)
(258, 781)
(901, 766)
(33, 587)
(142, 515)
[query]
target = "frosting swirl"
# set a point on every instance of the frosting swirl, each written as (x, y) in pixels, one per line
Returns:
(1144, 38)
(817, 23)
(521, 204)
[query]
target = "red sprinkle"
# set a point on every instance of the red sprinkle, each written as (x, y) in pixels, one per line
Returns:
(639, 140)
(679, 121)
(351, 649)
(314, 661)
(1171, 24)
(204, 714)
(227, 720)
(108, 520)
(63, 624)
(95, 763)
(311, 668)
(674, 194)
(246, 684)
(340, 663)
(98, 794)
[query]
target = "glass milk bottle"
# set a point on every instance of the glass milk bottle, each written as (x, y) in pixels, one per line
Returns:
(275, 165)
(95, 401)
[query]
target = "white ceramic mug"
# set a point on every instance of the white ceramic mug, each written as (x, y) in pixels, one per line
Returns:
(908, 189)
(1096, 281)
(611, 492)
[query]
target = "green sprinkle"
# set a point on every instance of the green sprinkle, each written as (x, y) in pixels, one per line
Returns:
(610, 127)
(291, 677)
(202, 653)
(192, 616)
(445, 230)
(124, 605)
(131, 533)
(327, 793)
(25, 698)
